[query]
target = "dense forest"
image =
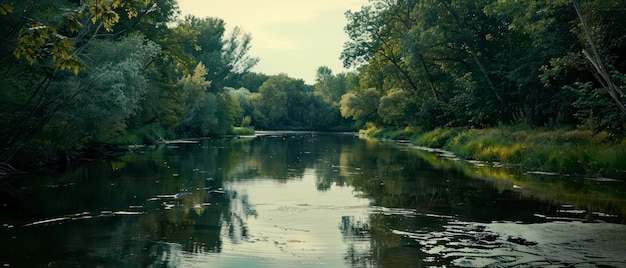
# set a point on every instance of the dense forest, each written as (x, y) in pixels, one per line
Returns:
(77, 75)
(484, 63)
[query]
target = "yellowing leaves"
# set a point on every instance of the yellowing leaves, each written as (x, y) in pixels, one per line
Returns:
(105, 13)
(40, 41)
(63, 58)
(5, 9)
(31, 42)
(130, 6)
(73, 24)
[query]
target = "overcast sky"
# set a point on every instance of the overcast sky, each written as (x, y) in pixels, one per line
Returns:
(289, 36)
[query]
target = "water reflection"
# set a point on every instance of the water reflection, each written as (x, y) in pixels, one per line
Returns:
(311, 200)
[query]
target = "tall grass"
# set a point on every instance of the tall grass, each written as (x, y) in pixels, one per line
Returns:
(565, 151)
(437, 138)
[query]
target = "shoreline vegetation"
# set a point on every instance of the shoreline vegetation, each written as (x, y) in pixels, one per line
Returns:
(76, 93)
(561, 151)
(69, 159)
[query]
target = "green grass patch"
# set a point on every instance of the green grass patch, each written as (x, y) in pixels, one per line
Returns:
(552, 150)
(437, 138)
(242, 131)
(374, 131)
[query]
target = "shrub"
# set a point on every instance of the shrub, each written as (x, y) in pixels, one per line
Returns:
(242, 131)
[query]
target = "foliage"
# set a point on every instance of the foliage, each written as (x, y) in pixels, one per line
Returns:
(437, 138)
(326, 99)
(79, 74)
(199, 105)
(110, 92)
(362, 106)
(600, 111)
(226, 58)
(486, 63)
(393, 108)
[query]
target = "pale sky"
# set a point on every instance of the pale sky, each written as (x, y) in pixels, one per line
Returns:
(289, 36)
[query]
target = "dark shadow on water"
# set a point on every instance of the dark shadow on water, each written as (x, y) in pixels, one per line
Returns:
(159, 206)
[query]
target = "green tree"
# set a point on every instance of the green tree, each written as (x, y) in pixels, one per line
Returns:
(325, 104)
(199, 105)
(45, 66)
(226, 58)
(251, 81)
(111, 91)
(287, 103)
(362, 106)
(377, 41)
(394, 109)
(272, 102)
(241, 97)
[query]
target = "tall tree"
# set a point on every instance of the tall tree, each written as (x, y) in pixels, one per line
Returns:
(226, 57)
(362, 105)
(44, 43)
(329, 88)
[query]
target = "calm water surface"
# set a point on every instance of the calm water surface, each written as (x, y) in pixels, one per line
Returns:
(309, 200)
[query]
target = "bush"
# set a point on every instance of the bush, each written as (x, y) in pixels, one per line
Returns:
(242, 131)
(147, 134)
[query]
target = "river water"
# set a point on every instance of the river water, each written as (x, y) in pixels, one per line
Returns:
(287, 199)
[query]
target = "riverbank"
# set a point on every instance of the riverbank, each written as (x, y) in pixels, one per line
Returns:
(59, 161)
(575, 152)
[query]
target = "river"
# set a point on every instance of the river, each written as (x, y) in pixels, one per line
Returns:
(300, 199)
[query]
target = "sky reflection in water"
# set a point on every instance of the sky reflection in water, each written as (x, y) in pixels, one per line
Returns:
(308, 200)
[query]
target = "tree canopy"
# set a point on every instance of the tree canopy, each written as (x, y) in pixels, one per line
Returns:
(82, 74)
(485, 63)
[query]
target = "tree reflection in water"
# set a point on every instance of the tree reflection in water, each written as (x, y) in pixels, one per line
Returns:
(165, 206)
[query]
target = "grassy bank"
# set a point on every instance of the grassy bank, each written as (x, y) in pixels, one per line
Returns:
(577, 152)
(242, 131)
